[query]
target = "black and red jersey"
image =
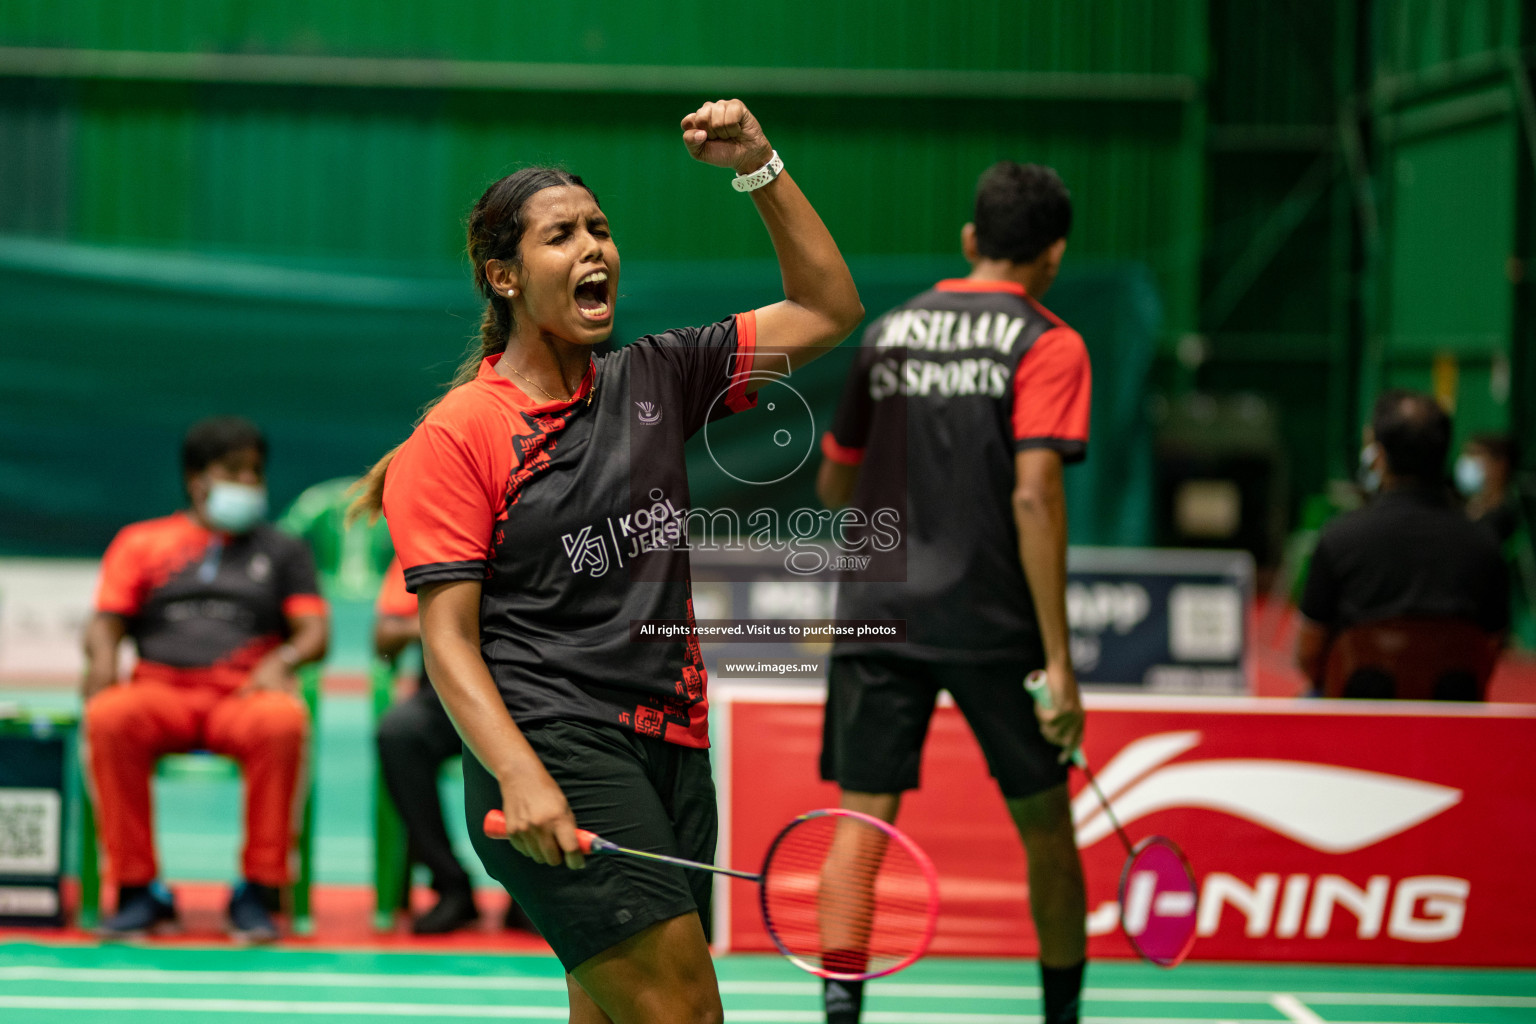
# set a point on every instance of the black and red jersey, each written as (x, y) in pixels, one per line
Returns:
(198, 598)
(572, 514)
(944, 391)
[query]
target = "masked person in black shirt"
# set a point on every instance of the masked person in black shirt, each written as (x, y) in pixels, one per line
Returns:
(537, 510)
(1486, 476)
(1411, 552)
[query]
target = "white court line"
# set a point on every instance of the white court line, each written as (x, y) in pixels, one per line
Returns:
(264, 979)
(1153, 995)
(289, 1007)
(1295, 1010)
(441, 1010)
(913, 990)
(1417, 999)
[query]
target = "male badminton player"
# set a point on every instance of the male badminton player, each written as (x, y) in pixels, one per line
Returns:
(506, 506)
(961, 408)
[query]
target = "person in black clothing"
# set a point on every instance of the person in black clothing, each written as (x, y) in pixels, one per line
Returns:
(961, 409)
(1411, 552)
(538, 509)
(1485, 474)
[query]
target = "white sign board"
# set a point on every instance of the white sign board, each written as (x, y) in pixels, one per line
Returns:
(44, 606)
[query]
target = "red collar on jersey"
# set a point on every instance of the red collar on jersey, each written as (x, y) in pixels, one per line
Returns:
(965, 284)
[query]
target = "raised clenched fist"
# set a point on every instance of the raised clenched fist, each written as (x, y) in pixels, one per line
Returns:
(724, 133)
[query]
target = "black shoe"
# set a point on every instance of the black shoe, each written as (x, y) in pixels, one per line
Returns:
(249, 920)
(518, 919)
(455, 908)
(141, 909)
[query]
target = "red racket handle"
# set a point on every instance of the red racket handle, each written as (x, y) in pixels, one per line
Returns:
(495, 826)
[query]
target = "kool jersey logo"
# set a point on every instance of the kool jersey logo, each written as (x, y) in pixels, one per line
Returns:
(1328, 807)
(587, 553)
(659, 526)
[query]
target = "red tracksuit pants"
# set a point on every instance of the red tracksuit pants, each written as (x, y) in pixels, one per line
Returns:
(128, 728)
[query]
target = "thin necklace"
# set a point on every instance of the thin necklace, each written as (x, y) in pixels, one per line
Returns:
(551, 397)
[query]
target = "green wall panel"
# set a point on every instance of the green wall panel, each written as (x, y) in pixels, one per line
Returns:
(1452, 234)
(387, 175)
(1272, 63)
(37, 128)
(1045, 35)
(1450, 174)
(336, 366)
(358, 194)
(1414, 35)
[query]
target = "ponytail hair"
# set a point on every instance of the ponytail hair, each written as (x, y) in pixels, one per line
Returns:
(495, 230)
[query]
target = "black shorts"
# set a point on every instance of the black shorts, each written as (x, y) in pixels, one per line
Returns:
(633, 790)
(879, 705)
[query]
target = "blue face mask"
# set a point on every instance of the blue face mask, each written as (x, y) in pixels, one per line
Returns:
(235, 508)
(1470, 475)
(1369, 479)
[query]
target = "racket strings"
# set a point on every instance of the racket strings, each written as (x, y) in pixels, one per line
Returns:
(841, 894)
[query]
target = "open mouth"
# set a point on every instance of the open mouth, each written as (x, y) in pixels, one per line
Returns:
(592, 295)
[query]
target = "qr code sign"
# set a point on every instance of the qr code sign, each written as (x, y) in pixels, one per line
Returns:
(29, 831)
(1205, 623)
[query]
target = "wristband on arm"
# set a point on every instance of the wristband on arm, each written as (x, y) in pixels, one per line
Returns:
(760, 177)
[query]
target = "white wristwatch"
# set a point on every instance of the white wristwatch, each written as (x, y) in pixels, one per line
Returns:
(760, 177)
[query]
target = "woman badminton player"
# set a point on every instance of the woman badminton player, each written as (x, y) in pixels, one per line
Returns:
(538, 510)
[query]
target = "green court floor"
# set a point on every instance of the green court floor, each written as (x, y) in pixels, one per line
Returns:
(48, 984)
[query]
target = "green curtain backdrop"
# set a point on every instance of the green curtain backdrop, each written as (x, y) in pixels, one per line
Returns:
(107, 355)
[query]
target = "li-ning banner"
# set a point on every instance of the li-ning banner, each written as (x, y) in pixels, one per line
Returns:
(1318, 831)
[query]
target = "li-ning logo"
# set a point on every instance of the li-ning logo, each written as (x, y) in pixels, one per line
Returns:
(1328, 807)
(649, 414)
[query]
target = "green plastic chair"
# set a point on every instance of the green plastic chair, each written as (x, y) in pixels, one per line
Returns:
(349, 561)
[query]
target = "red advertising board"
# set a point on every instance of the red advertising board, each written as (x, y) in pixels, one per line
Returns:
(1321, 831)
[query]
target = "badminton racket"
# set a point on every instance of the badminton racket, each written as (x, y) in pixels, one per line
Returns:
(1157, 889)
(843, 895)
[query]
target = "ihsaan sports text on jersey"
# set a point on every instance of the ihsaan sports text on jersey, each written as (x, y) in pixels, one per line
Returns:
(573, 517)
(943, 393)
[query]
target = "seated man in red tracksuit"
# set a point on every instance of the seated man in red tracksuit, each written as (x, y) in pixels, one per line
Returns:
(222, 608)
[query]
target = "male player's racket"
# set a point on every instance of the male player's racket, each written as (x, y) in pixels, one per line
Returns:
(844, 895)
(1157, 888)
